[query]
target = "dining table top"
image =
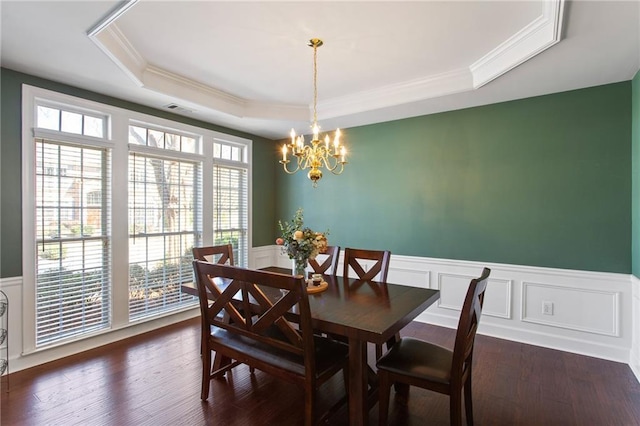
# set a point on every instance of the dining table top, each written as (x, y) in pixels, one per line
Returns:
(366, 310)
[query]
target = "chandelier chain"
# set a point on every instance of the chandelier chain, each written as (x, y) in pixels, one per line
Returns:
(315, 84)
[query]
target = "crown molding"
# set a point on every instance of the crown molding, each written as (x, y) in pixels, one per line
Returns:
(539, 35)
(119, 49)
(433, 86)
(201, 95)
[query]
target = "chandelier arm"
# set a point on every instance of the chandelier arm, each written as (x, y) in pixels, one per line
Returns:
(326, 159)
(341, 168)
(284, 166)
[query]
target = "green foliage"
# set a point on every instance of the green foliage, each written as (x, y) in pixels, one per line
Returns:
(301, 243)
(52, 252)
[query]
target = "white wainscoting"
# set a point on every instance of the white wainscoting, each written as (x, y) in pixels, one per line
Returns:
(13, 289)
(635, 345)
(19, 361)
(592, 311)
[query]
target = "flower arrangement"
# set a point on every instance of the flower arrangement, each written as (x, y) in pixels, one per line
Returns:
(300, 243)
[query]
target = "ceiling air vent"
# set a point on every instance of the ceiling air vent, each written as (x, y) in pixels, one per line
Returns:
(177, 108)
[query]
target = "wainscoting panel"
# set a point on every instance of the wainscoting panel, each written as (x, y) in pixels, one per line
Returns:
(598, 310)
(635, 345)
(453, 288)
(261, 257)
(13, 289)
(497, 299)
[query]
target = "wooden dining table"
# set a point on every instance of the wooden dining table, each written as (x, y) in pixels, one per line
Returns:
(361, 312)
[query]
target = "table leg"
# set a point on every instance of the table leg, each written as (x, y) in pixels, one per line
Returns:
(358, 406)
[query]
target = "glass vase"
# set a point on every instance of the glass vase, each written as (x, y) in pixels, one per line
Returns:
(300, 267)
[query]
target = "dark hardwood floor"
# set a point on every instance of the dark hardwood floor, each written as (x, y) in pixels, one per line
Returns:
(154, 379)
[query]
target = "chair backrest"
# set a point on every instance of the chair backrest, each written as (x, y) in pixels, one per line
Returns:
(380, 268)
(257, 304)
(214, 254)
(329, 265)
(468, 325)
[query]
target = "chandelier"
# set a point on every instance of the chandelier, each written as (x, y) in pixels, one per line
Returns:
(328, 154)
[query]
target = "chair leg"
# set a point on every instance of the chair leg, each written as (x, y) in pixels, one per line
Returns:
(468, 402)
(378, 352)
(455, 408)
(309, 406)
(402, 392)
(206, 373)
(384, 390)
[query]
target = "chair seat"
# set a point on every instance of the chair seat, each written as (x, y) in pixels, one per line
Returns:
(418, 359)
(328, 352)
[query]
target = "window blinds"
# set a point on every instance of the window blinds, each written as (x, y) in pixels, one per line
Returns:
(73, 282)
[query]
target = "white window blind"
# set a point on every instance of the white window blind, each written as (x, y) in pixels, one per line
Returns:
(230, 210)
(164, 206)
(231, 197)
(73, 283)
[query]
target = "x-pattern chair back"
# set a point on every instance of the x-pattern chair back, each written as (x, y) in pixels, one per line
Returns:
(380, 267)
(330, 264)
(219, 254)
(251, 313)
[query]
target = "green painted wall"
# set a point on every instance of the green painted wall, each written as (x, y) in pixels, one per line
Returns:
(635, 185)
(10, 170)
(544, 181)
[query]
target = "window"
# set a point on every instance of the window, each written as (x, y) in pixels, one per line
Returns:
(164, 191)
(52, 118)
(230, 192)
(73, 283)
(113, 203)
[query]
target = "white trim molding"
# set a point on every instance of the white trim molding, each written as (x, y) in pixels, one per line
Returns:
(544, 31)
(635, 344)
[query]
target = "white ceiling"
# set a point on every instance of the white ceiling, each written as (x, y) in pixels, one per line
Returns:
(246, 65)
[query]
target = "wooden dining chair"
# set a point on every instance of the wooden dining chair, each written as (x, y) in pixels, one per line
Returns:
(214, 254)
(329, 264)
(414, 362)
(222, 254)
(261, 333)
(357, 260)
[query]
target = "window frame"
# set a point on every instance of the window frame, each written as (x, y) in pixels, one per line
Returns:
(116, 140)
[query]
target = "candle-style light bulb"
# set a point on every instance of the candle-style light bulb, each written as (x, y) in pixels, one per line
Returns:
(293, 137)
(326, 142)
(284, 152)
(343, 153)
(315, 129)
